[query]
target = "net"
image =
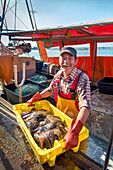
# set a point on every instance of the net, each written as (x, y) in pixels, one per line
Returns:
(28, 89)
(39, 78)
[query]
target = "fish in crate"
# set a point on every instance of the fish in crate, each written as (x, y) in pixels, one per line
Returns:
(44, 127)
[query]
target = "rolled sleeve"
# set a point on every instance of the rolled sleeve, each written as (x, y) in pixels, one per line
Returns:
(84, 93)
(50, 88)
(52, 85)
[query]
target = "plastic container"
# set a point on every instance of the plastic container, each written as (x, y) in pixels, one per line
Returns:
(93, 86)
(46, 155)
(45, 67)
(13, 98)
(106, 85)
(45, 82)
(53, 69)
(39, 65)
(49, 76)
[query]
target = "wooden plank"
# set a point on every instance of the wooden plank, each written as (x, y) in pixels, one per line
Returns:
(83, 161)
(71, 160)
(10, 115)
(6, 104)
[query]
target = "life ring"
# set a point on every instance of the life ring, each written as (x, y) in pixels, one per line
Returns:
(47, 42)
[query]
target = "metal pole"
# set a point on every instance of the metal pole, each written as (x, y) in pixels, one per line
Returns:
(62, 44)
(108, 151)
(33, 15)
(22, 82)
(20, 95)
(29, 14)
(94, 62)
(3, 17)
(2, 87)
(15, 14)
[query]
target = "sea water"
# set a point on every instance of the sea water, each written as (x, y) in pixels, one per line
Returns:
(80, 52)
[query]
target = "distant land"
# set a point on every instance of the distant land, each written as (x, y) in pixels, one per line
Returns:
(80, 48)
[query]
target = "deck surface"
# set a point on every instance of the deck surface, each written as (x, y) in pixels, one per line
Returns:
(15, 152)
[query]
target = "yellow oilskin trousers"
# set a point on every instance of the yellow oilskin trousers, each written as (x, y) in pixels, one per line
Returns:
(69, 108)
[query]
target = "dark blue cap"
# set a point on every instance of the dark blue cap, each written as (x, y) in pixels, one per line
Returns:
(69, 50)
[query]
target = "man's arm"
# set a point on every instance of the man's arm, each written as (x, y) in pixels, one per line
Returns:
(83, 114)
(71, 138)
(46, 93)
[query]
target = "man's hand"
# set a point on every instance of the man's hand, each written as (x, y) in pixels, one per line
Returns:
(36, 97)
(71, 138)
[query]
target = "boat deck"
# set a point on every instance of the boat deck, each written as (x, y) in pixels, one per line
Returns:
(16, 153)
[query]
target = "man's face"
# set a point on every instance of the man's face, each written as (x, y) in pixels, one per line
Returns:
(67, 62)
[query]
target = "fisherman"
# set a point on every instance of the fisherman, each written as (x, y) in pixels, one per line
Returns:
(71, 89)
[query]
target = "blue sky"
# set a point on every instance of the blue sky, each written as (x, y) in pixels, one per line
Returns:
(53, 13)
(67, 12)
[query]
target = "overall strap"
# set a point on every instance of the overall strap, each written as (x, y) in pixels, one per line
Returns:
(56, 90)
(74, 86)
(72, 93)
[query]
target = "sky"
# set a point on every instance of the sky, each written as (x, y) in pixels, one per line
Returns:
(54, 13)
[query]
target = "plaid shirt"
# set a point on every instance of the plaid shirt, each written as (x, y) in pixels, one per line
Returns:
(83, 87)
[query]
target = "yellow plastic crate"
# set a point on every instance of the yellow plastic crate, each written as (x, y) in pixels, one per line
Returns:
(46, 155)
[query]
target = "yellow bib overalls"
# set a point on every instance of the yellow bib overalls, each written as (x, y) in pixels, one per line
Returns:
(68, 104)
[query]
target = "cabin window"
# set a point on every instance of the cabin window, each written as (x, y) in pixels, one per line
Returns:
(34, 52)
(105, 49)
(53, 52)
(82, 49)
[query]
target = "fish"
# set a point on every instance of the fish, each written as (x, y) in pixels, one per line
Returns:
(32, 124)
(44, 127)
(25, 114)
(39, 116)
(42, 141)
(53, 118)
(47, 139)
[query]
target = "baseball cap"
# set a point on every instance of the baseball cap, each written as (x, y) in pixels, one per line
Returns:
(69, 50)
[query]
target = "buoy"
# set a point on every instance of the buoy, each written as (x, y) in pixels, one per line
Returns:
(47, 43)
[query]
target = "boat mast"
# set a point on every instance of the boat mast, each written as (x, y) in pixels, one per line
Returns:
(33, 15)
(2, 19)
(29, 14)
(32, 21)
(15, 14)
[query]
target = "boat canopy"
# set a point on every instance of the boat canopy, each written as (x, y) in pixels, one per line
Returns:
(91, 33)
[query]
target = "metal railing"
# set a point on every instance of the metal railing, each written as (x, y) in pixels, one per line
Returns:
(22, 82)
